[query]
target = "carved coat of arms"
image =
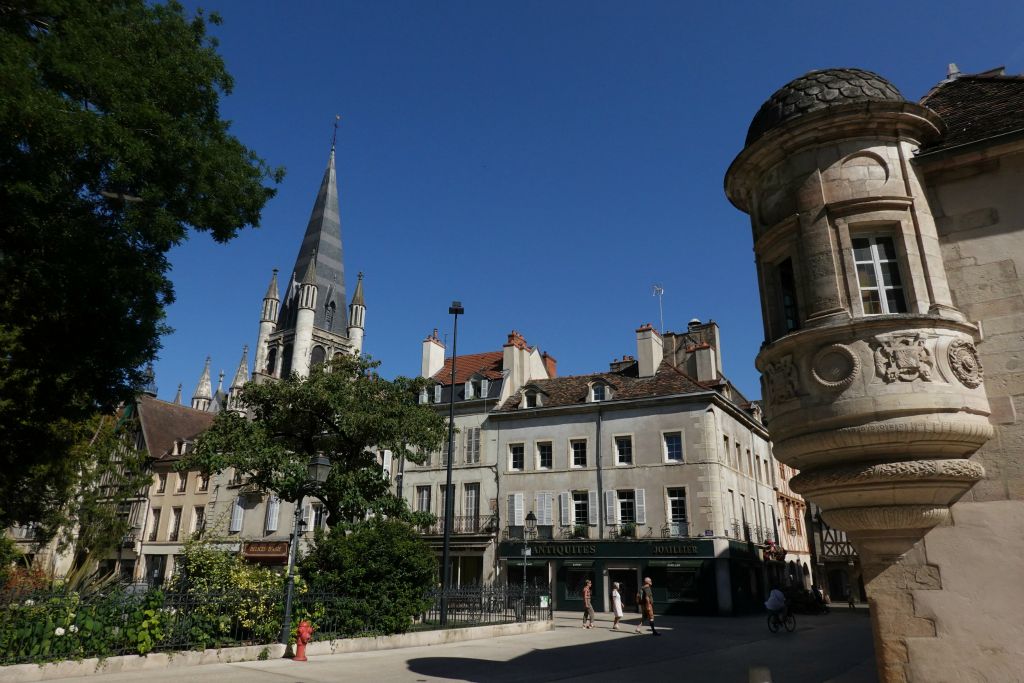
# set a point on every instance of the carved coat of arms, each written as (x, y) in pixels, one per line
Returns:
(903, 358)
(781, 380)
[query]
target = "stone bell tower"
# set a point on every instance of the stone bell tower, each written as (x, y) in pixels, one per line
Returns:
(872, 383)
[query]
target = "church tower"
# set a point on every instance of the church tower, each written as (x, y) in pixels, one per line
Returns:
(309, 323)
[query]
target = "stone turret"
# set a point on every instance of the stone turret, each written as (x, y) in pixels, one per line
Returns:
(870, 376)
(203, 395)
(304, 321)
(268, 323)
(357, 317)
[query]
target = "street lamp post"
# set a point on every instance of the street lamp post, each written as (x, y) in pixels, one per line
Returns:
(449, 501)
(531, 526)
(316, 474)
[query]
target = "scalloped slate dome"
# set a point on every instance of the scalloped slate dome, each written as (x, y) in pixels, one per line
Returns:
(818, 90)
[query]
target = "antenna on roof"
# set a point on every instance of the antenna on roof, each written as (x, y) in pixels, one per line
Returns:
(659, 291)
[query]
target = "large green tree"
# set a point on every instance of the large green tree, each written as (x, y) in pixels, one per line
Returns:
(343, 410)
(112, 148)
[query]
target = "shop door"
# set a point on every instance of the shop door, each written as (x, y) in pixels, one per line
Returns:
(628, 584)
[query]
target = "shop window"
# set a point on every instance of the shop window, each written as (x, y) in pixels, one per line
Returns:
(878, 275)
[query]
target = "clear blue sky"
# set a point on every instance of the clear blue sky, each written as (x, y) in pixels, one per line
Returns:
(543, 162)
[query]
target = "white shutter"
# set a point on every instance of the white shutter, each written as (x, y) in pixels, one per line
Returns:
(641, 507)
(236, 516)
(592, 508)
(519, 519)
(538, 505)
(485, 386)
(549, 504)
(469, 390)
(511, 509)
(564, 501)
(273, 512)
(307, 516)
(437, 393)
(611, 515)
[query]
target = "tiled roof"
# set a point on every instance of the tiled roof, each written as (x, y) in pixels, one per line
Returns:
(164, 423)
(976, 107)
(486, 365)
(564, 391)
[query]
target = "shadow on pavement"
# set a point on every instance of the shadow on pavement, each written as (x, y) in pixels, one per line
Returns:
(835, 649)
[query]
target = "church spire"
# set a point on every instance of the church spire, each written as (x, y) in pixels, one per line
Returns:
(242, 373)
(177, 396)
(322, 241)
(204, 392)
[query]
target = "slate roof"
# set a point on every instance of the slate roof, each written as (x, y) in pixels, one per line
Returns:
(572, 390)
(976, 107)
(486, 364)
(164, 423)
(817, 90)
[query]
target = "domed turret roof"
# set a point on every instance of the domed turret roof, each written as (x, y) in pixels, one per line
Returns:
(818, 90)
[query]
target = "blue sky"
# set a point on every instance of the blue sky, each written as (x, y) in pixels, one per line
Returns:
(543, 162)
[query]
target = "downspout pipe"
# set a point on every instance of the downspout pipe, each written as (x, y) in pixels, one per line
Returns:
(600, 483)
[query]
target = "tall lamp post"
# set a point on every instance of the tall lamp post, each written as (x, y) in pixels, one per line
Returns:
(531, 526)
(316, 474)
(454, 310)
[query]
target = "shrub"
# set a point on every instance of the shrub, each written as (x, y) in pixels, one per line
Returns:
(381, 572)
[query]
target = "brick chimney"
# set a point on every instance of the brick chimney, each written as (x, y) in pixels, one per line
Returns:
(550, 364)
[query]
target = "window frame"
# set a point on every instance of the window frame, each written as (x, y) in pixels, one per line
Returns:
(522, 446)
(624, 497)
(872, 237)
(585, 502)
(538, 462)
(572, 453)
(665, 450)
(618, 452)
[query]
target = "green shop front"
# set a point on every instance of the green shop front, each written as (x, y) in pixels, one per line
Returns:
(690, 576)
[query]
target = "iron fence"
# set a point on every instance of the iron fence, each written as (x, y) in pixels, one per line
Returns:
(43, 626)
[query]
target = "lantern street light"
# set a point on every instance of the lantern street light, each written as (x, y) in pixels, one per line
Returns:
(454, 310)
(531, 527)
(317, 471)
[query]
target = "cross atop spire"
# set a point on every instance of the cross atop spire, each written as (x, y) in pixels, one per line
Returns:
(334, 138)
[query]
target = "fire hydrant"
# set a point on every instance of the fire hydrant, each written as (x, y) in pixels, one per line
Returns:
(303, 634)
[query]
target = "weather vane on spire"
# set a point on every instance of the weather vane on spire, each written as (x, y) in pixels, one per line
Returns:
(334, 138)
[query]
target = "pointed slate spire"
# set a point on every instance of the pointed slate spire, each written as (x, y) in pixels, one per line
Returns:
(220, 383)
(204, 392)
(272, 290)
(322, 242)
(357, 296)
(177, 396)
(242, 373)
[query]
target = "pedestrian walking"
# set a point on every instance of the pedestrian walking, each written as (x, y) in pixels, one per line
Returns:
(616, 605)
(588, 607)
(645, 599)
(851, 599)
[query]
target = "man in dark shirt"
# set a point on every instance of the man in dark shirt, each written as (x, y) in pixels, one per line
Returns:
(647, 606)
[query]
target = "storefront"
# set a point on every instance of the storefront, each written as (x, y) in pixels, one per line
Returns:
(691, 576)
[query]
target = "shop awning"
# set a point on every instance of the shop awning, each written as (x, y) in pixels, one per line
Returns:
(676, 564)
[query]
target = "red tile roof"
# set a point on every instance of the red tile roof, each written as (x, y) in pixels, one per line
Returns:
(164, 423)
(486, 365)
(977, 107)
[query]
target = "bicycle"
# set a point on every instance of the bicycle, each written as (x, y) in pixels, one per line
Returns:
(775, 622)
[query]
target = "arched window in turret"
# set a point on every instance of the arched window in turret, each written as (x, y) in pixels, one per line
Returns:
(271, 361)
(318, 356)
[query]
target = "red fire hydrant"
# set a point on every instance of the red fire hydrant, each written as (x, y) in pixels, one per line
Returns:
(303, 634)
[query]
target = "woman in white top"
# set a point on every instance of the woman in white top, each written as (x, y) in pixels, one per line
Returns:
(616, 605)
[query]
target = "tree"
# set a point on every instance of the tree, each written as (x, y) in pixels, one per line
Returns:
(344, 411)
(382, 572)
(112, 149)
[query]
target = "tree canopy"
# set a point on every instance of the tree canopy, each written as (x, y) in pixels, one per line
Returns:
(343, 410)
(112, 149)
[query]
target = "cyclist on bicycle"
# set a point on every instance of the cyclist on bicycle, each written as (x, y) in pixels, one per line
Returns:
(776, 603)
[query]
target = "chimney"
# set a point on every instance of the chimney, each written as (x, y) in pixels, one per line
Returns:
(550, 364)
(618, 365)
(433, 355)
(707, 365)
(649, 350)
(515, 361)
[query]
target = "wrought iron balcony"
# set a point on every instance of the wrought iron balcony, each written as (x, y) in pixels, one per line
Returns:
(463, 524)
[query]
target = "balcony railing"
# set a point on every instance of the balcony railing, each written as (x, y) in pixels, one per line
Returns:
(676, 530)
(463, 524)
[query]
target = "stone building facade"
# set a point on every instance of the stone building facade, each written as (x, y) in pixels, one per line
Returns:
(641, 470)
(889, 243)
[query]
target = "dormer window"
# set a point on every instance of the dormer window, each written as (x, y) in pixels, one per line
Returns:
(599, 391)
(531, 399)
(424, 396)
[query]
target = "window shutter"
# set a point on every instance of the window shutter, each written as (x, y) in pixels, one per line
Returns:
(641, 507)
(485, 385)
(469, 389)
(423, 395)
(564, 501)
(610, 512)
(511, 509)
(307, 516)
(236, 516)
(437, 393)
(549, 504)
(592, 508)
(519, 509)
(273, 512)
(538, 505)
